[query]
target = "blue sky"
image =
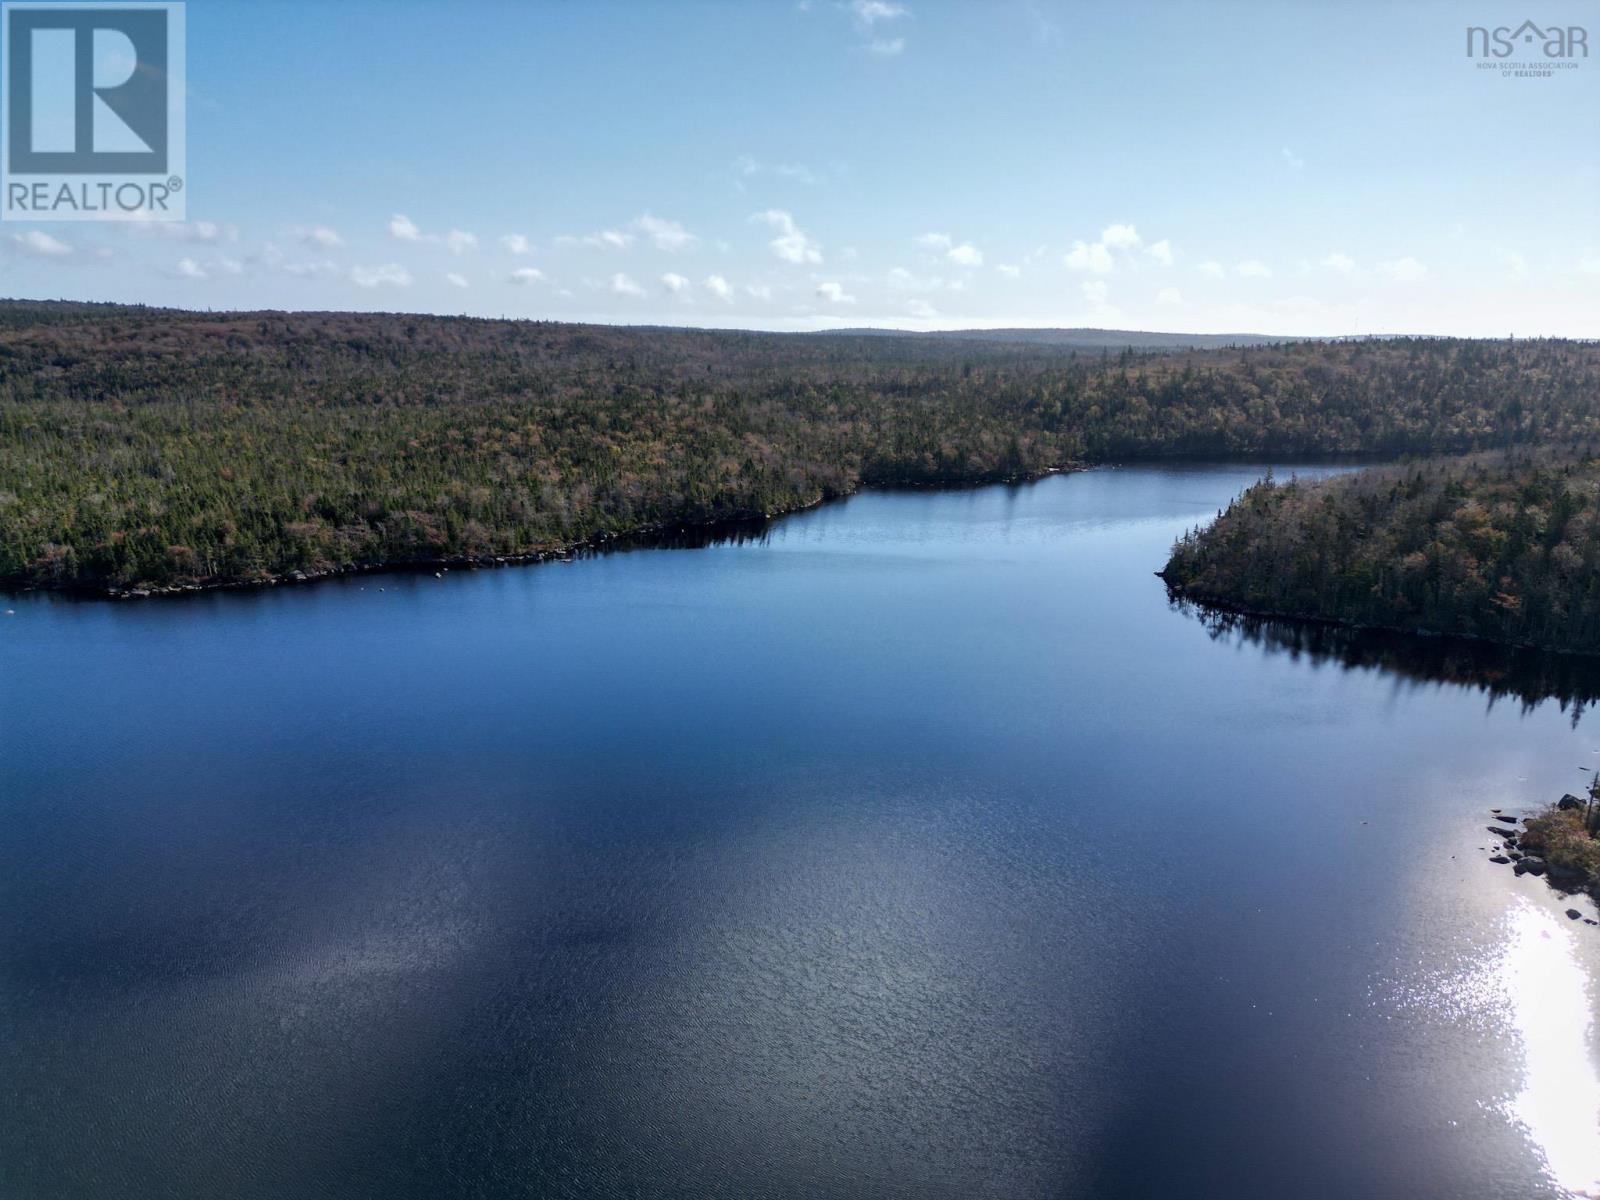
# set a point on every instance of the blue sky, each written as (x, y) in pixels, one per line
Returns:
(1283, 167)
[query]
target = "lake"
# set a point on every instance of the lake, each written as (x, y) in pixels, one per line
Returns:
(916, 846)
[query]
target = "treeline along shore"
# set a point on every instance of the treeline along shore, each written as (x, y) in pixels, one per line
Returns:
(144, 450)
(1502, 546)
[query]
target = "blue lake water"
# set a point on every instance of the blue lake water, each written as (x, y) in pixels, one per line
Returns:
(916, 848)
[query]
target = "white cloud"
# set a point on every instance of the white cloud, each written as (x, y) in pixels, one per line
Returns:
(403, 229)
(516, 243)
(1096, 291)
(719, 287)
(674, 283)
(1121, 237)
(759, 290)
(321, 235)
(667, 235)
(965, 254)
(887, 47)
(1009, 270)
(1295, 162)
(230, 266)
(1213, 269)
(834, 293)
(181, 231)
(1254, 268)
(319, 269)
(870, 12)
(455, 279)
(921, 308)
(1516, 264)
(389, 274)
(1092, 257)
(1169, 296)
(187, 268)
(526, 275)
(791, 244)
(1590, 265)
(606, 239)
(39, 243)
(459, 241)
(1160, 251)
(621, 285)
(1403, 270)
(1342, 264)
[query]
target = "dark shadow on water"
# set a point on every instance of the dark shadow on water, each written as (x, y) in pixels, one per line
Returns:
(1530, 677)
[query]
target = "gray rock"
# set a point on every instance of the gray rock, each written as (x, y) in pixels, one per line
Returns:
(1501, 859)
(1569, 802)
(1573, 914)
(1530, 866)
(1502, 834)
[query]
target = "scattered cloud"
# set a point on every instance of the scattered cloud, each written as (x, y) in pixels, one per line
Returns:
(388, 275)
(759, 291)
(459, 241)
(1341, 264)
(667, 235)
(1170, 297)
(1009, 270)
(792, 244)
(1117, 243)
(674, 283)
(834, 293)
(321, 235)
(40, 244)
(516, 243)
(187, 268)
(455, 279)
(747, 166)
(1296, 163)
(1212, 269)
(622, 285)
(1516, 264)
(526, 275)
(1253, 268)
(870, 12)
(403, 229)
(965, 254)
(1090, 256)
(719, 287)
(921, 308)
(1404, 270)
(1590, 264)
(886, 47)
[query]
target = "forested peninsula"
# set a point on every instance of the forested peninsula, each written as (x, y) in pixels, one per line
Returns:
(1502, 546)
(144, 450)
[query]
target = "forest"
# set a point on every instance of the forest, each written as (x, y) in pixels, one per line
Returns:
(1502, 546)
(146, 448)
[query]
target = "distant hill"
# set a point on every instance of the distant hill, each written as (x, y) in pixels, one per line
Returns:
(1087, 339)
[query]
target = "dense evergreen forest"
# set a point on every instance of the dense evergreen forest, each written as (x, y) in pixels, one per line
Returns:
(150, 448)
(1502, 546)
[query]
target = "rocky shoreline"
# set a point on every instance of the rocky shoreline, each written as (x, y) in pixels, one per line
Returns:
(1526, 845)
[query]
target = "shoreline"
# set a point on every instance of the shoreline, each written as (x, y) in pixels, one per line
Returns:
(654, 535)
(1219, 604)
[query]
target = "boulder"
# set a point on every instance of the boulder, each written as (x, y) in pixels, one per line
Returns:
(1530, 866)
(1573, 914)
(1569, 802)
(1500, 858)
(1502, 834)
